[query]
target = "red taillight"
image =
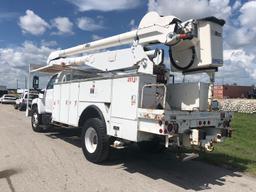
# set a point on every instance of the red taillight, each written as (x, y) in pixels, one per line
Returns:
(165, 131)
(160, 130)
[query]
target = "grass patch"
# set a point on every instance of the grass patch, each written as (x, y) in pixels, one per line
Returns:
(238, 152)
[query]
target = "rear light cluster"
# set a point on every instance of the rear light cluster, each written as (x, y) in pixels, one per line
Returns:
(170, 127)
(204, 123)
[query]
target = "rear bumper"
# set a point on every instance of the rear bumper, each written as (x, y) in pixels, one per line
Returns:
(188, 129)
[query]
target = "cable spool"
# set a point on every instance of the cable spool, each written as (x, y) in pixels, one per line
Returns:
(179, 62)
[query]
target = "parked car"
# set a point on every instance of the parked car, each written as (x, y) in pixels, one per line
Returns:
(8, 99)
(21, 102)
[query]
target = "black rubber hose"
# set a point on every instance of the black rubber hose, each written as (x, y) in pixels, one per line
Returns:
(187, 66)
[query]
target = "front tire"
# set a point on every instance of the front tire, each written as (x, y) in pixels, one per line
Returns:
(36, 120)
(95, 142)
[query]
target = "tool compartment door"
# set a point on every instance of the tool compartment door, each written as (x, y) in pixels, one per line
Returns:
(64, 103)
(73, 104)
(125, 97)
(124, 105)
(95, 91)
(56, 103)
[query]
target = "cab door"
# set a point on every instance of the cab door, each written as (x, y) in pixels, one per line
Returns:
(48, 94)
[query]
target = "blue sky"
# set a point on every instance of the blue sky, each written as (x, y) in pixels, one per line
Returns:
(112, 22)
(30, 30)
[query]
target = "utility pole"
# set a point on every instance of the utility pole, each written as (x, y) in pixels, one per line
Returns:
(17, 84)
(27, 108)
(26, 86)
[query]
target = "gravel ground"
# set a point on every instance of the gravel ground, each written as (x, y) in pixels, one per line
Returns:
(238, 105)
(54, 162)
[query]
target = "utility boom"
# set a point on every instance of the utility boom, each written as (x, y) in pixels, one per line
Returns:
(129, 98)
(152, 29)
(193, 44)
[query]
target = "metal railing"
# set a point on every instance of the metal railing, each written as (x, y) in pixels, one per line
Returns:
(163, 97)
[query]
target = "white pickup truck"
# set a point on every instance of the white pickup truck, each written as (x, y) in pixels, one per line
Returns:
(21, 102)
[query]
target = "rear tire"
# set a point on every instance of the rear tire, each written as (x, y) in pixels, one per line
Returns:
(95, 142)
(36, 120)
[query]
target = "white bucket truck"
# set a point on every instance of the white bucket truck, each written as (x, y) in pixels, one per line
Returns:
(125, 95)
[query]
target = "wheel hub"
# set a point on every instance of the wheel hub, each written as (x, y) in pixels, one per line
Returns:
(35, 119)
(91, 140)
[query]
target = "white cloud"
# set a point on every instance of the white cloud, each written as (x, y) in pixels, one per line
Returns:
(32, 23)
(239, 36)
(63, 24)
(236, 5)
(48, 43)
(23, 55)
(132, 24)
(243, 32)
(248, 14)
(96, 37)
(242, 60)
(89, 24)
(188, 9)
(101, 5)
(14, 61)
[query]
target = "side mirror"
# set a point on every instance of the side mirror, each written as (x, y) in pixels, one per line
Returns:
(35, 82)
